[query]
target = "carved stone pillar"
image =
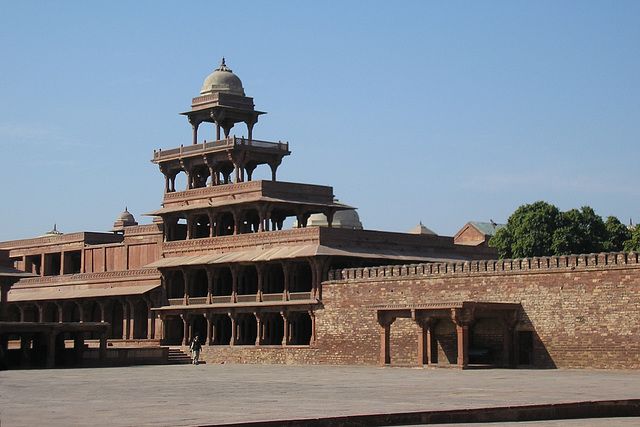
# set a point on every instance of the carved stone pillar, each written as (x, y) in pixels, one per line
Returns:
(234, 332)
(462, 317)
(260, 268)
(186, 278)
(385, 320)
(185, 329)
(426, 345)
(286, 337)
(207, 340)
(312, 316)
(259, 328)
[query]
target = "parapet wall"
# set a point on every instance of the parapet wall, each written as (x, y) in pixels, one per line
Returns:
(580, 310)
(520, 265)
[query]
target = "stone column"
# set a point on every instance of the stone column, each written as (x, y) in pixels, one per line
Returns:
(232, 342)
(234, 282)
(260, 268)
(259, 332)
(207, 316)
(385, 320)
(125, 320)
(286, 336)
(286, 272)
(186, 278)
(312, 316)
(462, 317)
(185, 329)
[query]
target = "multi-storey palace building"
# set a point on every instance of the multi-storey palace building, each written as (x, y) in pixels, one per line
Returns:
(218, 262)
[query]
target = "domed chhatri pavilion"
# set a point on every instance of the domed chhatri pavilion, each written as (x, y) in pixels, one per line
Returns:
(217, 261)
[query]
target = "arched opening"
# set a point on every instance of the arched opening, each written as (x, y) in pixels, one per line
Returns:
(226, 169)
(71, 312)
(175, 284)
(199, 327)
(273, 282)
(173, 330)
(93, 312)
(221, 325)
(200, 284)
(248, 283)
(226, 224)
(272, 329)
(180, 181)
(300, 328)
(117, 317)
(13, 313)
(251, 222)
(201, 227)
(302, 278)
(246, 329)
(199, 176)
(50, 313)
(140, 321)
(223, 284)
(31, 313)
(180, 229)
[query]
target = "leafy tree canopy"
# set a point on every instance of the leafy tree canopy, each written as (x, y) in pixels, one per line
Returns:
(541, 229)
(633, 244)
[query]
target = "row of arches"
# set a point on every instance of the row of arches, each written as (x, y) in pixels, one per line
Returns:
(128, 318)
(225, 161)
(260, 279)
(212, 222)
(258, 328)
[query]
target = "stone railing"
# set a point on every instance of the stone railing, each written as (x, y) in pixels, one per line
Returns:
(309, 235)
(122, 275)
(211, 146)
(250, 298)
(197, 300)
(535, 264)
(294, 296)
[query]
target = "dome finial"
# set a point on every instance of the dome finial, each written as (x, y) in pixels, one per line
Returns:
(223, 66)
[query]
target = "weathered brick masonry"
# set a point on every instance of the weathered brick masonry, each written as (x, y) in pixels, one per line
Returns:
(583, 310)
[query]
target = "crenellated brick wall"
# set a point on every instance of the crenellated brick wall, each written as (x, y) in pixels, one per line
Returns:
(583, 310)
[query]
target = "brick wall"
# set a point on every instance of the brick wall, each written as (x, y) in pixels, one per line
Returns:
(583, 311)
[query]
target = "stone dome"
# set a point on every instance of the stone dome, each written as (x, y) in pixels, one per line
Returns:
(124, 220)
(222, 80)
(342, 219)
(53, 232)
(126, 217)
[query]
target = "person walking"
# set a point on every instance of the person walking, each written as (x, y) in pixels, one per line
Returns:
(195, 350)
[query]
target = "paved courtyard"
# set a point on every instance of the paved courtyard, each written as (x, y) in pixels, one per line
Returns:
(186, 395)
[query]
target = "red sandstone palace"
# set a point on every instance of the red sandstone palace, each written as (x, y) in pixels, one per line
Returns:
(217, 261)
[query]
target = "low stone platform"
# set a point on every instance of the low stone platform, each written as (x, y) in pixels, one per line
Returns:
(188, 395)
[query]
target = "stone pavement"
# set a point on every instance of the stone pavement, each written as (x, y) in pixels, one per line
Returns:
(186, 395)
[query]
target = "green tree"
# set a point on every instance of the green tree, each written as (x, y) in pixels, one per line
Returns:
(541, 229)
(528, 232)
(633, 244)
(618, 234)
(579, 232)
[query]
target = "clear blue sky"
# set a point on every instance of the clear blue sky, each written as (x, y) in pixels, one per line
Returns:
(435, 111)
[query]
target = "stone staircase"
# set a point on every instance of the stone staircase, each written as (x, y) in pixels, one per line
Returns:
(178, 357)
